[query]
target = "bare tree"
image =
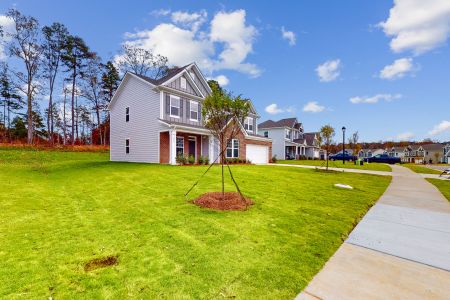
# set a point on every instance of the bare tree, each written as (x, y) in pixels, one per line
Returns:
(25, 45)
(92, 89)
(55, 37)
(142, 62)
(327, 134)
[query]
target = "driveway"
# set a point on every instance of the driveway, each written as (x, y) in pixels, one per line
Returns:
(399, 250)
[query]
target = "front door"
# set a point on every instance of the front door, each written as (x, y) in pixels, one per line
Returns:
(192, 146)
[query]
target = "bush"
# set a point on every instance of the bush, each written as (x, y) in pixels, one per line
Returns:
(206, 160)
(191, 159)
(274, 158)
(180, 159)
(201, 160)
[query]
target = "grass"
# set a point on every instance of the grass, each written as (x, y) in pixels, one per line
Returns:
(338, 164)
(421, 169)
(74, 225)
(442, 185)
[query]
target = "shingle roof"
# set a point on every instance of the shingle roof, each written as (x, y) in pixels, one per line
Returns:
(431, 147)
(288, 122)
(309, 137)
(172, 72)
(299, 141)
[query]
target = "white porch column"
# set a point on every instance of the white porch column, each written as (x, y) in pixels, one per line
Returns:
(172, 147)
(211, 149)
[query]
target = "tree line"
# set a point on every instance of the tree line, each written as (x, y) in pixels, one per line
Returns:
(55, 89)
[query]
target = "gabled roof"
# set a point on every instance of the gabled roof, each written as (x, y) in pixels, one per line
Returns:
(433, 147)
(309, 137)
(288, 122)
(172, 73)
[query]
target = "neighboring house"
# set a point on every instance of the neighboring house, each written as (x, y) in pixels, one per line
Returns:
(446, 153)
(421, 154)
(396, 152)
(155, 121)
(287, 137)
(366, 153)
(313, 150)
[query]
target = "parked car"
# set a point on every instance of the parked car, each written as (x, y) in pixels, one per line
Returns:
(340, 156)
(383, 158)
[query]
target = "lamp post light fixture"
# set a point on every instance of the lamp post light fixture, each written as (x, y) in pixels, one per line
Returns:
(343, 145)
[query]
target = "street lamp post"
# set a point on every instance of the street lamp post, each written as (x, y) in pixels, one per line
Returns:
(343, 145)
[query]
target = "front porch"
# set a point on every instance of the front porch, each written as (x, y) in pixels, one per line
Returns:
(295, 151)
(176, 143)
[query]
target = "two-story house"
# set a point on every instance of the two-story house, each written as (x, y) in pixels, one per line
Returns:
(395, 152)
(446, 153)
(287, 137)
(155, 121)
(421, 154)
(366, 153)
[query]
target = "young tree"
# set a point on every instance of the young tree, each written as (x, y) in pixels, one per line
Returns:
(55, 37)
(74, 56)
(92, 89)
(25, 46)
(222, 113)
(327, 134)
(142, 62)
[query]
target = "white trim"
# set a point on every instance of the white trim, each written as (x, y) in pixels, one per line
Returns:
(233, 148)
(170, 106)
(208, 88)
(249, 123)
(175, 91)
(193, 81)
(161, 104)
(183, 80)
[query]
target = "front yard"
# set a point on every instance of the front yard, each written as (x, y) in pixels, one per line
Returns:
(338, 164)
(61, 210)
(442, 185)
(421, 169)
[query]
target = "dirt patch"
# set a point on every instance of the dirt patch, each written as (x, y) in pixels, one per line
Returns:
(231, 201)
(103, 262)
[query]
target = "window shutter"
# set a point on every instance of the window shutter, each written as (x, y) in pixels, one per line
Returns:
(188, 106)
(181, 107)
(167, 104)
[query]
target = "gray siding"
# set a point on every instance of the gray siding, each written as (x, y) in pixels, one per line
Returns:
(143, 128)
(278, 145)
(184, 111)
(176, 84)
(199, 82)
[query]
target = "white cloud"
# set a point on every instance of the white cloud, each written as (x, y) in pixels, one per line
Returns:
(374, 99)
(221, 79)
(7, 24)
(313, 106)
(417, 25)
(398, 69)
(192, 20)
(405, 136)
(160, 12)
(187, 39)
(442, 127)
(273, 109)
(231, 30)
(329, 70)
(289, 36)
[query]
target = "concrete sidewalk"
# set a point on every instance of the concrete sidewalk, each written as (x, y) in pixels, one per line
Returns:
(382, 173)
(399, 250)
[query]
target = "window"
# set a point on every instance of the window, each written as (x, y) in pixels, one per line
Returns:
(193, 110)
(183, 83)
(174, 106)
(127, 114)
(266, 134)
(233, 148)
(127, 146)
(288, 134)
(248, 124)
(180, 146)
(192, 75)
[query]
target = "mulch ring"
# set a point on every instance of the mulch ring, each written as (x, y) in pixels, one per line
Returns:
(103, 262)
(231, 201)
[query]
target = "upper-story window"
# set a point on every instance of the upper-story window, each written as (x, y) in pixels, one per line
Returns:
(193, 110)
(248, 124)
(127, 114)
(174, 106)
(266, 134)
(183, 83)
(288, 133)
(192, 75)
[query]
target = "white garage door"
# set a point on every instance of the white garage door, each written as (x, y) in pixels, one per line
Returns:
(257, 154)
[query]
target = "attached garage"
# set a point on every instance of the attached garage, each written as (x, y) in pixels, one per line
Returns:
(257, 154)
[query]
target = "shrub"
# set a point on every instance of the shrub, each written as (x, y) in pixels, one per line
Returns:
(191, 159)
(235, 160)
(274, 158)
(206, 160)
(201, 160)
(180, 159)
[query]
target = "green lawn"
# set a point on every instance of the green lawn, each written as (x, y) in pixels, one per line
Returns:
(421, 169)
(338, 164)
(60, 210)
(442, 185)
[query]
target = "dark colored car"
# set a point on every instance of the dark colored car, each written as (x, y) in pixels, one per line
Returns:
(383, 158)
(339, 156)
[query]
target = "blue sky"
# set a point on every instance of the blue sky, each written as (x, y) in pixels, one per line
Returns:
(388, 81)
